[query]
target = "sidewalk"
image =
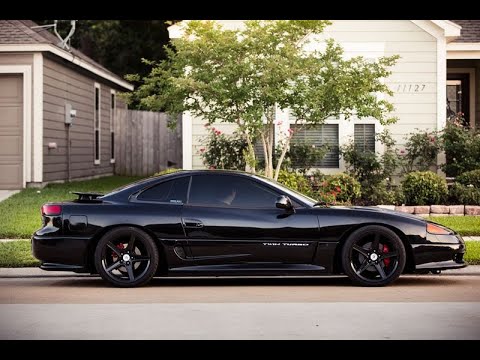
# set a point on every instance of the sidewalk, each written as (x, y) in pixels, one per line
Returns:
(34, 272)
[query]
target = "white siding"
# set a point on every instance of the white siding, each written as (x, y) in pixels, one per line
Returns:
(414, 78)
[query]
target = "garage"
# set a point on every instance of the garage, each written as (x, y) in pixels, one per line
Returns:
(11, 131)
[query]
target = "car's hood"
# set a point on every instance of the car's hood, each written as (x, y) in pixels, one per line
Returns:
(380, 210)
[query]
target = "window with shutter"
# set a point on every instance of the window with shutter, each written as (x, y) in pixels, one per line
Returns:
(319, 135)
(364, 137)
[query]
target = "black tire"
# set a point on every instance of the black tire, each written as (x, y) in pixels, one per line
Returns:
(126, 257)
(373, 256)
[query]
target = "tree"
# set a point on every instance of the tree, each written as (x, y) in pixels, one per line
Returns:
(242, 76)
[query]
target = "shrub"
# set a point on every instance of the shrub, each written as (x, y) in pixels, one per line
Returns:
(346, 187)
(464, 194)
(421, 150)
(462, 149)
(383, 194)
(294, 181)
(224, 151)
(167, 171)
(424, 188)
(368, 167)
(303, 156)
(470, 178)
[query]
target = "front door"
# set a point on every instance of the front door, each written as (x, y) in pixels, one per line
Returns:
(458, 97)
(233, 219)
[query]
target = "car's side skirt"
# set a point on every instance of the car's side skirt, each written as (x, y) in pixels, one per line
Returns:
(248, 269)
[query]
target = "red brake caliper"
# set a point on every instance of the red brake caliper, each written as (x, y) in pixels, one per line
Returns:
(386, 250)
(119, 246)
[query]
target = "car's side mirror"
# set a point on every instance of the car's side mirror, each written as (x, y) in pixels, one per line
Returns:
(283, 202)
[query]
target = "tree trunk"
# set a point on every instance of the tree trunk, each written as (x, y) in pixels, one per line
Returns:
(250, 165)
(282, 156)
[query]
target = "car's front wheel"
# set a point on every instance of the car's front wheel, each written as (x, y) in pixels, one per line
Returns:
(373, 256)
(126, 257)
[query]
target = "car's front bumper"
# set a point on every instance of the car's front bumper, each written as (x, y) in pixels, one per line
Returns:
(440, 253)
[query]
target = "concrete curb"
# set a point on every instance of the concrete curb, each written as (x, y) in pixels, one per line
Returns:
(35, 272)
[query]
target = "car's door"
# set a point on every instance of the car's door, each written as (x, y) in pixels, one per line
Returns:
(161, 211)
(246, 227)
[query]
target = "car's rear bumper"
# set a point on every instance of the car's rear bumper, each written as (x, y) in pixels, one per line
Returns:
(63, 267)
(60, 253)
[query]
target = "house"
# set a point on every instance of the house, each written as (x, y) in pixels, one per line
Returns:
(440, 63)
(44, 86)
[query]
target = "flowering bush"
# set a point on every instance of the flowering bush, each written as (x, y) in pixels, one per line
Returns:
(343, 187)
(420, 151)
(462, 148)
(223, 151)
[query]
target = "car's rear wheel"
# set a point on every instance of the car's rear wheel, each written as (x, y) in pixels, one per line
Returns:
(373, 256)
(126, 257)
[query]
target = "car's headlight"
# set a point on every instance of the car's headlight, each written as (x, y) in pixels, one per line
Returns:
(438, 230)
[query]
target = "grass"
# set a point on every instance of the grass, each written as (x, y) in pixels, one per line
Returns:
(21, 212)
(464, 225)
(472, 256)
(19, 254)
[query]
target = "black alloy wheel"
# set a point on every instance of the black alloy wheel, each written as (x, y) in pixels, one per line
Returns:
(126, 257)
(373, 256)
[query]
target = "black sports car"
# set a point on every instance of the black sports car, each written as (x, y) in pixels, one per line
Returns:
(233, 223)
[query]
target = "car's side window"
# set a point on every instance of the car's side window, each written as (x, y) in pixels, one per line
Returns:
(230, 191)
(173, 191)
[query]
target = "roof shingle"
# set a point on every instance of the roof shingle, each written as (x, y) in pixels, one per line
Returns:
(470, 30)
(21, 32)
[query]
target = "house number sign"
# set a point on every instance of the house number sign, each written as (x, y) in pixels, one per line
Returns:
(409, 88)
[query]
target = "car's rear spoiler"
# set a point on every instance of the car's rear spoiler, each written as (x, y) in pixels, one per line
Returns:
(87, 196)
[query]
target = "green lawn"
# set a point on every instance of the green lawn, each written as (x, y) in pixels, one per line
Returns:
(472, 256)
(19, 254)
(464, 225)
(21, 212)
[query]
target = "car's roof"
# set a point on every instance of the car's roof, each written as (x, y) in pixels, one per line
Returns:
(140, 184)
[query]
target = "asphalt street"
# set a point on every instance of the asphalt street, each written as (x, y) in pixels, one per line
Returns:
(68, 307)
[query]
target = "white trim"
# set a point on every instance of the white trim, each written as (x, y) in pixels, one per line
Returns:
(430, 27)
(187, 139)
(68, 56)
(26, 71)
(473, 46)
(455, 55)
(112, 120)
(463, 50)
(471, 90)
(97, 86)
(37, 153)
(451, 30)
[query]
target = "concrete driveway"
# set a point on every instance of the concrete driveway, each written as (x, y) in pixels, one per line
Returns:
(5, 194)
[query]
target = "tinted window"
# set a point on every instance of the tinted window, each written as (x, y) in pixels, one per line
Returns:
(230, 191)
(173, 191)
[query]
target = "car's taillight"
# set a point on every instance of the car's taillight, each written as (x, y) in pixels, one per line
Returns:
(51, 210)
(437, 230)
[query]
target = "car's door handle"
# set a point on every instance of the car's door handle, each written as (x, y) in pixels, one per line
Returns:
(192, 223)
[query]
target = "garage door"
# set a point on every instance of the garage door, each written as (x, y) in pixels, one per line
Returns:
(11, 132)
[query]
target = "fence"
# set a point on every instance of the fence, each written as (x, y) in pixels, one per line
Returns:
(144, 144)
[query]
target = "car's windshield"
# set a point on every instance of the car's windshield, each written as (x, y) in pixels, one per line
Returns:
(295, 194)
